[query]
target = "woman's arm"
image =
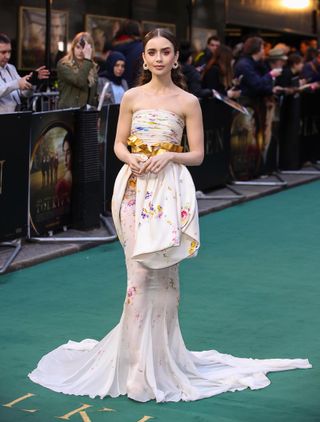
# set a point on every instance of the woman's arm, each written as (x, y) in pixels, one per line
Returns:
(194, 127)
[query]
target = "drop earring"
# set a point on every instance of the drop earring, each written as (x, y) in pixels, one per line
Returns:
(145, 66)
(175, 65)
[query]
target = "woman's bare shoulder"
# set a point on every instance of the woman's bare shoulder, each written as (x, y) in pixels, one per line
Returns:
(188, 102)
(132, 92)
(188, 98)
(130, 96)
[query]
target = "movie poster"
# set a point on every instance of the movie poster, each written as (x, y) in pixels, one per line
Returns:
(51, 171)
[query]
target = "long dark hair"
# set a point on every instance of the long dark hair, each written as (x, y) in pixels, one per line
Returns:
(223, 60)
(176, 74)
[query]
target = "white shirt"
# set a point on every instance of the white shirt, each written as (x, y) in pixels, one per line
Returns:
(118, 92)
(9, 89)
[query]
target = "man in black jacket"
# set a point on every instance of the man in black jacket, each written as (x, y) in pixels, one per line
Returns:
(256, 80)
(257, 89)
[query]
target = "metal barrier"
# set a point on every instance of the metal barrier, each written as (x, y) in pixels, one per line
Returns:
(46, 135)
(16, 245)
(44, 101)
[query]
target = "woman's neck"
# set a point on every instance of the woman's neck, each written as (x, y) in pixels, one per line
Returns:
(79, 61)
(161, 84)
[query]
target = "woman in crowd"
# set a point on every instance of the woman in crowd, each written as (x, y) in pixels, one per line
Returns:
(117, 85)
(155, 214)
(289, 152)
(192, 76)
(290, 77)
(311, 69)
(77, 74)
(251, 134)
(218, 73)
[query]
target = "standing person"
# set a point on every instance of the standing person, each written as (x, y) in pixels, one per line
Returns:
(277, 58)
(115, 67)
(311, 70)
(289, 154)
(256, 80)
(128, 42)
(192, 76)
(155, 213)
(257, 88)
(77, 74)
(213, 43)
(218, 73)
(290, 76)
(13, 86)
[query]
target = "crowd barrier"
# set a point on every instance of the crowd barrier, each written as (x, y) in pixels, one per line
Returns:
(310, 126)
(55, 163)
(214, 171)
(14, 174)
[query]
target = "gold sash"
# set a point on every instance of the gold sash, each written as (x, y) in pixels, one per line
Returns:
(137, 146)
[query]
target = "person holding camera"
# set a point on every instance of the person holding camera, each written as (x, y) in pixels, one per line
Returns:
(77, 74)
(12, 85)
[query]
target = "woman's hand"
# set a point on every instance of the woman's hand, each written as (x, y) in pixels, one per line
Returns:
(233, 93)
(157, 163)
(136, 164)
(87, 51)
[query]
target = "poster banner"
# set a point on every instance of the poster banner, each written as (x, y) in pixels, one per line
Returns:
(214, 171)
(254, 139)
(52, 135)
(14, 175)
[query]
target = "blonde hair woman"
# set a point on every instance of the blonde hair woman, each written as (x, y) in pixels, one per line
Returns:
(77, 74)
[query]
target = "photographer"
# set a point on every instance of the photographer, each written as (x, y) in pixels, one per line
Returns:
(12, 86)
(77, 74)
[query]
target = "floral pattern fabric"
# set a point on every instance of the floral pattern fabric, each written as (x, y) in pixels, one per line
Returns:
(166, 225)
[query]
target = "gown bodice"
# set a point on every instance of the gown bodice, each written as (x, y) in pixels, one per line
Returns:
(157, 125)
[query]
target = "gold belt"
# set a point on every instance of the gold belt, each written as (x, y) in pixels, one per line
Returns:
(137, 146)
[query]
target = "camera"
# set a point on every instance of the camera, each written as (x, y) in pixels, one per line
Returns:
(34, 78)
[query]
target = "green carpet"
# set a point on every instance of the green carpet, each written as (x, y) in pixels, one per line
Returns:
(253, 291)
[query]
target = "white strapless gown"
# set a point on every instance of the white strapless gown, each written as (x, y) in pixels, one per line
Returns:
(144, 356)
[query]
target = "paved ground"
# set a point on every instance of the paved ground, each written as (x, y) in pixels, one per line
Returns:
(34, 252)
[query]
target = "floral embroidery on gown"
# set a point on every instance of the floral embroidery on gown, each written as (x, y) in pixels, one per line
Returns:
(144, 356)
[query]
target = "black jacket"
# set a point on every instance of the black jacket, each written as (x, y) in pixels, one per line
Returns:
(212, 80)
(193, 80)
(256, 81)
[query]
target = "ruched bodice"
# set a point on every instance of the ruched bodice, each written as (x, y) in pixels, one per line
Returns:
(157, 125)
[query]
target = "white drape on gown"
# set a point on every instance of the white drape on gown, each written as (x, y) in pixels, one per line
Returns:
(144, 356)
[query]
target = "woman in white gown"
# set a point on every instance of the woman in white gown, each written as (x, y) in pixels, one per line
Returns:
(155, 214)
